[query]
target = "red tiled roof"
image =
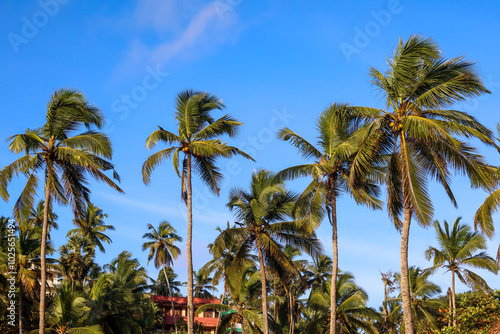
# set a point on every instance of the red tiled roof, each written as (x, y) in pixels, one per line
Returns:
(183, 300)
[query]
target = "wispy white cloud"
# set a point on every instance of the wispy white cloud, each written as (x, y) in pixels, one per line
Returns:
(166, 29)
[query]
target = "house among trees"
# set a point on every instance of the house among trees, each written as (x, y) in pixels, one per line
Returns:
(208, 319)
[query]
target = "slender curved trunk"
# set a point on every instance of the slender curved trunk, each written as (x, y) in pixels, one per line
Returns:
(189, 251)
(335, 263)
(453, 299)
(405, 282)
(450, 306)
(220, 312)
(264, 289)
(171, 298)
(292, 322)
(20, 308)
(43, 278)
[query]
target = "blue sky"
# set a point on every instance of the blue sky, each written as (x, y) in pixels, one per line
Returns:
(274, 63)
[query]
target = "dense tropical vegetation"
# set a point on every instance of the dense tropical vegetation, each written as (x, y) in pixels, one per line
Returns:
(268, 267)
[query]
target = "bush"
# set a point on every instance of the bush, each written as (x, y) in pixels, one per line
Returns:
(476, 313)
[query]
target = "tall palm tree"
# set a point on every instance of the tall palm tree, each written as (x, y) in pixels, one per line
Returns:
(423, 293)
(336, 149)
(174, 284)
(163, 249)
(91, 226)
(63, 160)
(417, 136)
(263, 213)
(198, 139)
(458, 248)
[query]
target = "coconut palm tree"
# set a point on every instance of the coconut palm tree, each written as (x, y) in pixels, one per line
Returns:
(202, 285)
(36, 217)
(91, 226)
(459, 248)
(319, 272)
(417, 137)
(263, 215)
(336, 149)
(352, 313)
(423, 293)
(198, 139)
(162, 287)
(64, 161)
(163, 249)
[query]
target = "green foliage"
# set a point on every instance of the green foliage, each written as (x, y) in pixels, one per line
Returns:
(182, 327)
(476, 313)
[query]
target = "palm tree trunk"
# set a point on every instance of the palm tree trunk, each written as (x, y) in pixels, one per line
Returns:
(43, 278)
(189, 251)
(450, 306)
(292, 323)
(405, 282)
(453, 299)
(335, 263)
(20, 309)
(264, 289)
(222, 302)
(171, 298)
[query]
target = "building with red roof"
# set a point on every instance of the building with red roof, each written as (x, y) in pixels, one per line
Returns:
(207, 318)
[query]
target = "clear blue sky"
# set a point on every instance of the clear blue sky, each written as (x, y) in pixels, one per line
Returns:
(274, 63)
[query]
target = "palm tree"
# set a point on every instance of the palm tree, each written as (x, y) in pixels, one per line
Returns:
(423, 295)
(77, 258)
(163, 249)
(458, 247)
(197, 139)
(416, 136)
(262, 213)
(319, 272)
(91, 226)
(202, 285)
(63, 160)
(162, 288)
(336, 149)
(36, 217)
(352, 313)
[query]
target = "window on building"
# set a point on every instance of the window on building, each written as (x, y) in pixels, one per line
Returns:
(209, 314)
